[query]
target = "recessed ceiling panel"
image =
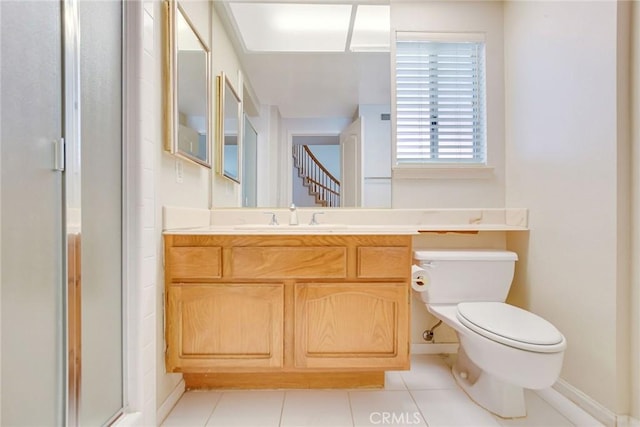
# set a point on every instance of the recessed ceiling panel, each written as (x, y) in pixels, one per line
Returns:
(371, 30)
(288, 27)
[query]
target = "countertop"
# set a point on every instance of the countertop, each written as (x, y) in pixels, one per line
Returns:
(340, 229)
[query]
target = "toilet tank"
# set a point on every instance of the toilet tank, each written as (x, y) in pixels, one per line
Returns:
(454, 276)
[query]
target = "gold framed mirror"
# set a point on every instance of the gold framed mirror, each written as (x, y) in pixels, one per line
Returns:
(229, 129)
(186, 87)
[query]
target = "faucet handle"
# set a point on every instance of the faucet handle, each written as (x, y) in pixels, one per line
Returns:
(274, 219)
(313, 218)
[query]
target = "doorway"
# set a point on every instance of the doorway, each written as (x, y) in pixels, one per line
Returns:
(316, 170)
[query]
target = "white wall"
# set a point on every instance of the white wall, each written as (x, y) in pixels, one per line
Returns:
(194, 190)
(329, 157)
(273, 148)
(624, 206)
(266, 124)
(635, 197)
(224, 192)
(0, 253)
(460, 16)
(565, 157)
(143, 142)
(191, 191)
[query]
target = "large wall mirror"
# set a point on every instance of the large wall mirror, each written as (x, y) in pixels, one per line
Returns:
(229, 133)
(186, 88)
(316, 91)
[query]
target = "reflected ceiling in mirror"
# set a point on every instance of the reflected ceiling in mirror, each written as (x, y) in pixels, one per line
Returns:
(309, 82)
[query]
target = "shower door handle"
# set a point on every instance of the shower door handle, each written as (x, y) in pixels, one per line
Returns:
(58, 155)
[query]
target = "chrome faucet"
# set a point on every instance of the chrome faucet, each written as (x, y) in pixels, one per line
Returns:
(293, 218)
(274, 218)
(313, 218)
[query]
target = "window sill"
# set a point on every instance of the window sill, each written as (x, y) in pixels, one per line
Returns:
(443, 172)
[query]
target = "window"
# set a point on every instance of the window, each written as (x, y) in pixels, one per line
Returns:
(440, 102)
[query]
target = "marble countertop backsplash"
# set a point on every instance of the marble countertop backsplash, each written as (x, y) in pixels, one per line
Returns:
(177, 220)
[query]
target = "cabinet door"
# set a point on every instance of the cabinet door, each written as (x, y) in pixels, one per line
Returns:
(352, 325)
(217, 327)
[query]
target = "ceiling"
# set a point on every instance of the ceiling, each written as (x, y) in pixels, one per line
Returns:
(311, 84)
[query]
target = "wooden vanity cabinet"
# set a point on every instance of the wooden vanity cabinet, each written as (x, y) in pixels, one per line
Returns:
(284, 310)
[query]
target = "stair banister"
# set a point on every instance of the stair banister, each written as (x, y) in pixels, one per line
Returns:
(320, 182)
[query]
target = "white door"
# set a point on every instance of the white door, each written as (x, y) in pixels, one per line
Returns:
(351, 150)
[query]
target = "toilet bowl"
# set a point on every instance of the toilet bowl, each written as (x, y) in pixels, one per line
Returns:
(503, 349)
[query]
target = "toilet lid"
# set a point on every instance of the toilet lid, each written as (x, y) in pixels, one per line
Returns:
(511, 325)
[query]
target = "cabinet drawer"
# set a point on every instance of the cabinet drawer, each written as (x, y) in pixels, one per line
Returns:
(288, 262)
(383, 262)
(197, 262)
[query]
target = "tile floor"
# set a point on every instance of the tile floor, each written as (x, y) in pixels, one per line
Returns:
(427, 395)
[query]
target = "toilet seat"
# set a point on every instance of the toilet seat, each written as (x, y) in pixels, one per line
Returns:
(510, 325)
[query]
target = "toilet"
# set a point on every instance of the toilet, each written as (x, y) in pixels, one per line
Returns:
(503, 349)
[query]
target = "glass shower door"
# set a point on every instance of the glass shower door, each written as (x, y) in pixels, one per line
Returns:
(101, 384)
(61, 213)
(32, 251)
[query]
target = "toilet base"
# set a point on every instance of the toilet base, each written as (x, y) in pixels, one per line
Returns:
(501, 398)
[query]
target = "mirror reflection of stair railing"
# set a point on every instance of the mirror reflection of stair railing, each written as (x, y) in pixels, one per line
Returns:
(320, 183)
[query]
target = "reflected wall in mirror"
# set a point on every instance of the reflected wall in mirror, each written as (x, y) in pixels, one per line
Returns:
(249, 165)
(229, 129)
(186, 87)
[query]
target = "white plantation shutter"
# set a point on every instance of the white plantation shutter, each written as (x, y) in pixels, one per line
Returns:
(440, 102)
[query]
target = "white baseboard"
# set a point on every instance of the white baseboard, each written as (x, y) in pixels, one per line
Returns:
(586, 403)
(129, 420)
(627, 421)
(170, 402)
(422, 348)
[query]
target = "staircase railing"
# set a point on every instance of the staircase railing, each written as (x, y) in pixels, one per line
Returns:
(321, 184)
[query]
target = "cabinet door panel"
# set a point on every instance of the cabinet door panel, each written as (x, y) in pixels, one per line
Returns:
(224, 326)
(357, 325)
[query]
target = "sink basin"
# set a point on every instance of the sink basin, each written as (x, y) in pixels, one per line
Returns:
(290, 228)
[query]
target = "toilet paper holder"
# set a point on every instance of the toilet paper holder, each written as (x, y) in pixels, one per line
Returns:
(419, 277)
